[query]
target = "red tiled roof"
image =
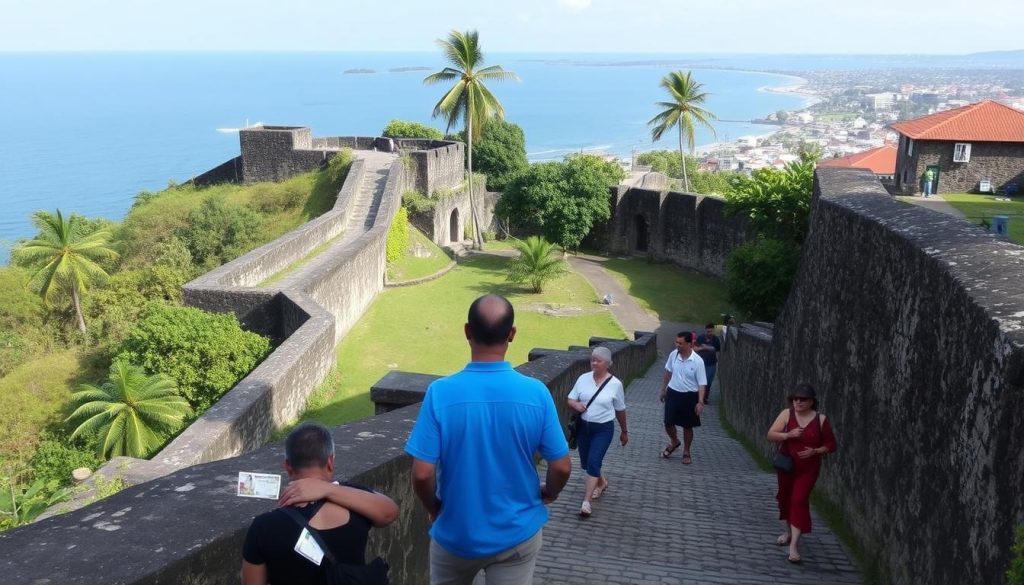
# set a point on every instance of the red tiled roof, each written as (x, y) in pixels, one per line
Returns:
(985, 121)
(881, 160)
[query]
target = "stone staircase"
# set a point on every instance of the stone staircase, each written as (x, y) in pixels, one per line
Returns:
(368, 198)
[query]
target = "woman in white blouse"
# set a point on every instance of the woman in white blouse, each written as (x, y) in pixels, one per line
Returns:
(597, 423)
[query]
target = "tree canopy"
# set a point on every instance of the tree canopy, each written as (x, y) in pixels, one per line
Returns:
(500, 153)
(561, 200)
(406, 129)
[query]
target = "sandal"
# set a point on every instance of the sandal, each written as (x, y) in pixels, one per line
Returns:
(668, 451)
(585, 510)
(687, 459)
(598, 491)
(782, 540)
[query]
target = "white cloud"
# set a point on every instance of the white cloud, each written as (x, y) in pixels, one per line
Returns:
(575, 4)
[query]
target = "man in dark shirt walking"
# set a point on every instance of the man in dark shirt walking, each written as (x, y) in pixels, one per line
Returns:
(341, 514)
(708, 346)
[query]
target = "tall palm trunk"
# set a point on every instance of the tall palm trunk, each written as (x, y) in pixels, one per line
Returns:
(78, 309)
(477, 240)
(682, 160)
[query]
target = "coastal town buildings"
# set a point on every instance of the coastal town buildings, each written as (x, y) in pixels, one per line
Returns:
(976, 146)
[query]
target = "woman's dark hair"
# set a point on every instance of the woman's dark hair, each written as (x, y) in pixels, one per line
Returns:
(491, 327)
(805, 390)
(309, 445)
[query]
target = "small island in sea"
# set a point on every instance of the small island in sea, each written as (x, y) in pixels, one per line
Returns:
(358, 71)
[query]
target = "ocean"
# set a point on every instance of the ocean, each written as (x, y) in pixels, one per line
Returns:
(85, 132)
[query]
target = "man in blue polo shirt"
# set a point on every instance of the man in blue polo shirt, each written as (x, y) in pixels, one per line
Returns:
(473, 449)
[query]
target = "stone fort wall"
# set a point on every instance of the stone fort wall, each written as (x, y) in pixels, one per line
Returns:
(188, 526)
(910, 324)
(691, 231)
(306, 313)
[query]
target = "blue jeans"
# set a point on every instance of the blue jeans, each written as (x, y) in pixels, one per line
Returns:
(593, 442)
(710, 371)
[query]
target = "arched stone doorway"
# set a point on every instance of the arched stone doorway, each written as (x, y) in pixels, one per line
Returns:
(641, 233)
(453, 227)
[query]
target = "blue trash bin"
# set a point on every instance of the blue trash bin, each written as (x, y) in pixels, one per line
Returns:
(1001, 225)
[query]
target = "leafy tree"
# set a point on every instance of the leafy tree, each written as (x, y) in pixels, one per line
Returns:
(778, 202)
(564, 200)
(500, 153)
(204, 353)
(65, 257)
(131, 414)
(1015, 574)
(759, 274)
(406, 129)
(681, 112)
(469, 99)
(217, 231)
(536, 263)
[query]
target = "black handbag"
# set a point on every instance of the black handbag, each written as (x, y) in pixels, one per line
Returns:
(373, 573)
(783, 461)
(576, 419)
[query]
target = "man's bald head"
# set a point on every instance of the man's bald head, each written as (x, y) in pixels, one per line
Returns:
(490, 322)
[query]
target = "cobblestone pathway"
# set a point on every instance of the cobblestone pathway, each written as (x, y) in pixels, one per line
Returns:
(713, 521)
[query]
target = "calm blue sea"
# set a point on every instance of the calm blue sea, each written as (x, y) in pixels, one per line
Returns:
(86, 132)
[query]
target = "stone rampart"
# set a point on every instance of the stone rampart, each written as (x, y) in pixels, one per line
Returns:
(691, 231)
(275, 153)
(227, 172)
(911, 325)
(440, 166)
(188, 526)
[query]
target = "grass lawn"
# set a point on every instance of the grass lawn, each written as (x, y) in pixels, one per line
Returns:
(410, 267)
(34, 395)
(419, 329)
(671, 293)
(983, 207)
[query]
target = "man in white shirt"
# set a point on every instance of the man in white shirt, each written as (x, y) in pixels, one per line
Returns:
(683, 388)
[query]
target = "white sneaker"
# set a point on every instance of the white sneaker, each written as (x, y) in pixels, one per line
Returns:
(585, 510)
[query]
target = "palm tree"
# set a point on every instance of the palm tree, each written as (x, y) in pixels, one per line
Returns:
(65, 256)
(132, 413)
(469, 98)
(536, 263)
(685, 108)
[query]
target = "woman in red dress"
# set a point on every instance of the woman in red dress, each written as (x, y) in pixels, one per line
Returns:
(806, 436)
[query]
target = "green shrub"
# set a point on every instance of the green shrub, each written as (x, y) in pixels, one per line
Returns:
(278, 197)
(398, 235)
(417, 202)
(758, 275)
(205, 353)
(55, 459)
(218, 231)
(114, 309)
(1015, 574)
(14, 349)
(21, 504)
(406, 129)
(536, 263)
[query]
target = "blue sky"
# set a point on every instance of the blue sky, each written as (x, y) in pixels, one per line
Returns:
(579, 26)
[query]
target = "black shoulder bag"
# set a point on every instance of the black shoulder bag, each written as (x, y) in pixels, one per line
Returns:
(783, 461)
(573, 429)
(374, 573)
